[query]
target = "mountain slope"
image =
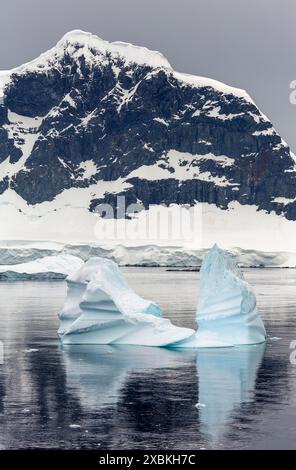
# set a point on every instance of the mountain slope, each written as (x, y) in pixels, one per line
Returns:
(114, 119)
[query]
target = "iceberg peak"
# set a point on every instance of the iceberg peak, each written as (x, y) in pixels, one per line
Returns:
(226, 312)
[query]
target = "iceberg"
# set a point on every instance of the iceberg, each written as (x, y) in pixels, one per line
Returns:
(101, 308)
(48, 267)
(226, 314)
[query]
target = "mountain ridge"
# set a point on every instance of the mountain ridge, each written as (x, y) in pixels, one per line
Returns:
(113, 119)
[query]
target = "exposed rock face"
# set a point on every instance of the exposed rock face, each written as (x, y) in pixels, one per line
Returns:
(88, 111)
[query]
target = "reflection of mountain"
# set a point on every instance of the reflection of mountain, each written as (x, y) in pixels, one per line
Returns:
(226, 380)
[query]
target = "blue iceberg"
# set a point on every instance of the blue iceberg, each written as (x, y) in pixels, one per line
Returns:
(226, 314)
(101, 308)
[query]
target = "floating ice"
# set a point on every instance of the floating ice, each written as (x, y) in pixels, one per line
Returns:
(48, 267)
(227, 313)
(100, 308)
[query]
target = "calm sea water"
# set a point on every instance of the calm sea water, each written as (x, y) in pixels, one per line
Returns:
(132, 397)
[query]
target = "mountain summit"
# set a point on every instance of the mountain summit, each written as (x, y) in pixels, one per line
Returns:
(107, 119)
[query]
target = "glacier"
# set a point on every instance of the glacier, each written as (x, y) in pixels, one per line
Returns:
(227, 313)
(47, 267)
(101, 308)
(20, 251)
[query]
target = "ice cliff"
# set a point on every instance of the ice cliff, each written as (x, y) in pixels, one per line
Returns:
(48, 267)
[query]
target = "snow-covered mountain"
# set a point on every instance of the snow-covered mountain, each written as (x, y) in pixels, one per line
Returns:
(90, 120)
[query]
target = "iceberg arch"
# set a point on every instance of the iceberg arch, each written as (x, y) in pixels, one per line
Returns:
(100, 308)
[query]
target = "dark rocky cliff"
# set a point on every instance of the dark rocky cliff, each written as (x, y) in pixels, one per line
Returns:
(81, 103)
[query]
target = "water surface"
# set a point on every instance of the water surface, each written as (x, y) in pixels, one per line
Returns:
(136, 397)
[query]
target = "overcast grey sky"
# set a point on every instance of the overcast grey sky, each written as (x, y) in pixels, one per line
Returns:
(246, 43)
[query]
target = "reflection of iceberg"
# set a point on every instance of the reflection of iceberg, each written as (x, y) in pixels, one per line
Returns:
(227, 313)
(226, 380)
(97, 373)
(101, 309)
(49, 267)
(102, 375)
